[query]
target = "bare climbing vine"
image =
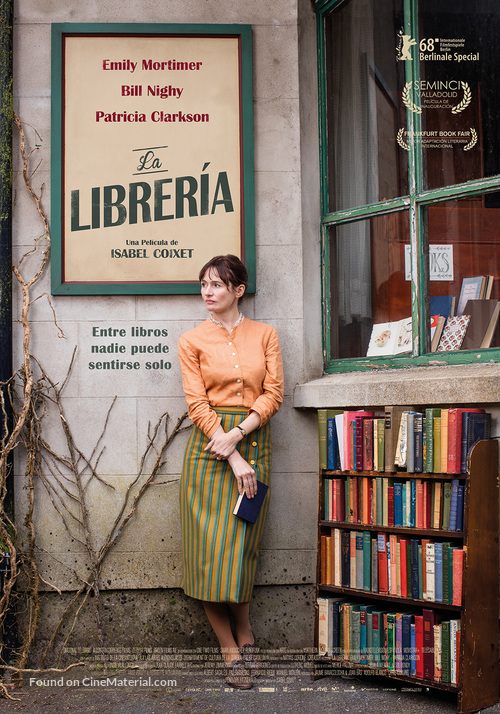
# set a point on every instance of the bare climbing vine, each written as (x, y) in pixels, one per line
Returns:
(30, 395)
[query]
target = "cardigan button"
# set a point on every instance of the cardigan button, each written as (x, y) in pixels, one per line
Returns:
(252, 463)
(254, 443)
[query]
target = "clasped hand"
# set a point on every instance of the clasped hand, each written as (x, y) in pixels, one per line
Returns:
(222, 445)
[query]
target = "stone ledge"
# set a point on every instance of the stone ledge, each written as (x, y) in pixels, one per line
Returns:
(450, 384)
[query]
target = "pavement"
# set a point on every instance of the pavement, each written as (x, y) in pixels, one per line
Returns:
(198, 687)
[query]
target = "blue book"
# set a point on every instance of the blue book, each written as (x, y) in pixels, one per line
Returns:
(413, 660)
(363, 631)
(413, 502)
(249, 508)
(453, 505)
(460, 506)
(419, 445)
(332, 446)
(414, 568)
(404, 516)
(442, 305)
(406, 642)
(438, 572)
(398, 505)
(475, 426)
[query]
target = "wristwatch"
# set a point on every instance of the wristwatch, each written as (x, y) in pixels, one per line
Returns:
(241, 429)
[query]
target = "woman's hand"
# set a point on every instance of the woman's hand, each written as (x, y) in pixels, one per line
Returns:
(244, 474)
(222, 444)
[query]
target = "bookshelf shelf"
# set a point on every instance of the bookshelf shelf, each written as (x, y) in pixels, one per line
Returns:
(342, 664)
(403, 530)
(476, 615)
(397, 474)
(396, 599)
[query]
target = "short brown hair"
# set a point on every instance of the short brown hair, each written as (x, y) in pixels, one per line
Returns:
(230, 269)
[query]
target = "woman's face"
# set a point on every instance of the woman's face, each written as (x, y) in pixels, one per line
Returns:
(217, 296)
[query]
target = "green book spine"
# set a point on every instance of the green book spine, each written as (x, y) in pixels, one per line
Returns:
(436, 468)
(367, 560)
(369, 637)
(429, 439)
(381, 444)
(390, 641)
(355, 653)
(322, 423)
(445, 655)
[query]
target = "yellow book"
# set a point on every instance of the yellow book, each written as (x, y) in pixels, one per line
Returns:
(444, 441)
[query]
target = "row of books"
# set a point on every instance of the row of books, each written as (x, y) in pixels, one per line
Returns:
(420, 644)
(385, 501)
(433, 440)
(413, 568)
(471, 324)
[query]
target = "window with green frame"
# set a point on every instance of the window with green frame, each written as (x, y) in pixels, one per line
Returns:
(410, 166)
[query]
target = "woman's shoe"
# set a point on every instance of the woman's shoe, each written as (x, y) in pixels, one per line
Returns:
(249, 655)
(238, 675)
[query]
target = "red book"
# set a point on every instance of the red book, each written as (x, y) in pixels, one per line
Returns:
(430, 619)
(427, 505)
(370, 501)
(420, 504)
(393, 542)
(338, 500)
(419, 646)
(390, 505)
(368, 444)
(348, 418)
(383, 572)
(403, 543)
(366, 501)
(455, 438)
(458, 563)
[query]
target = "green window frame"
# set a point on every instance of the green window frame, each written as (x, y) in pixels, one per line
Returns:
(415, 203)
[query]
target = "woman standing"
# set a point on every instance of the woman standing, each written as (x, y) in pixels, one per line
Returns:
(232, 377)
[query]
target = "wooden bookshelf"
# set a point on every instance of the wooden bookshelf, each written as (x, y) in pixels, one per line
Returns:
(477, 671)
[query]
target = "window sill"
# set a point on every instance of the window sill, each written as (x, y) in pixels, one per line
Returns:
(446, 384)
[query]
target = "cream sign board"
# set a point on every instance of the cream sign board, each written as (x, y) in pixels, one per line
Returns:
(152, 155)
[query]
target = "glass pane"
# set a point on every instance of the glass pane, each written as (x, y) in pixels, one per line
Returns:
(364, 110)
(459, 54)
(369, 286)
(464, 271)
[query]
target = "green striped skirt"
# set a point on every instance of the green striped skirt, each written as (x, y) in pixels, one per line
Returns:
(220, 550)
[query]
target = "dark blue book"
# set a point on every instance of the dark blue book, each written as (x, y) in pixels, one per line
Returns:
(249, 508)
(453, 505)
(345, 546)
(460, 506)
(406, 642)
(398, 505)
(443, 305)
(438, 571)
(332, 445)
(414, 568)
(475, 426)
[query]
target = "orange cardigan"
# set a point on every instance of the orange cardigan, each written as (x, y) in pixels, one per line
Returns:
(241, 369)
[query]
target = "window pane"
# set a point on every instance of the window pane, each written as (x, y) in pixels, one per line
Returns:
(458, 92)
(464, 249)
(368, 283)
(364, 108)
